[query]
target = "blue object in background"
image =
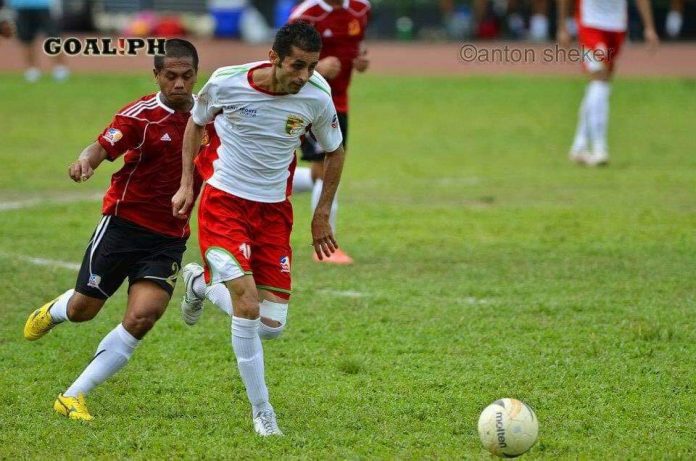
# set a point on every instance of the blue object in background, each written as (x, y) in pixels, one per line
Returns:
(283, 9)
(227, 14)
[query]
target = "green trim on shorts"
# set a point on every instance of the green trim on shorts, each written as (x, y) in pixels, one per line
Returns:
(212, 271)
(270, 288)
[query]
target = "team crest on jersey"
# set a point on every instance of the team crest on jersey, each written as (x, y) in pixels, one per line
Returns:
(334, 122)
(112, 135)
(205, 139)
(294, 125)
(354, 27)
(285, 264)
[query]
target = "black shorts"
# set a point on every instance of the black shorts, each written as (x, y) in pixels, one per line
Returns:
(31, 21)
(120, 249)
(311, 151)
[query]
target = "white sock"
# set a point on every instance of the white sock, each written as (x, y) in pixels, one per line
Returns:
(580, 143)
(302, 180)
(598, 114)
(219, 295)
(316, 194)
(112, 354)
(249, 352)
(59, 310)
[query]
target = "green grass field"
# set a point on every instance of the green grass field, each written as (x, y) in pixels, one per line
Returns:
(487, 266)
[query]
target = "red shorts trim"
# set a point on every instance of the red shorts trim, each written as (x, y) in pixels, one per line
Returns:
(239, 236)
(602, 47)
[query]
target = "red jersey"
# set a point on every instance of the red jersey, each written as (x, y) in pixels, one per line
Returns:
(149, 135)
(342, 29)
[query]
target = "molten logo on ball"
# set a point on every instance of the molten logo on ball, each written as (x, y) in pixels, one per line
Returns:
(508, 427)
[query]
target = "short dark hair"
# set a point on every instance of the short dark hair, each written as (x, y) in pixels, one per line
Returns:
(298, 34)
(177, 48)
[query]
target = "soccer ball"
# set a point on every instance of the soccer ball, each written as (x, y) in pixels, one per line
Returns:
(508, 428)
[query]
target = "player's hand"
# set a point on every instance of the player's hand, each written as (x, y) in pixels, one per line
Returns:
(651, 39)
(322, 236)
(361, 63)
(182, 202)
(80, 170)
(329, 67)
(563, 37)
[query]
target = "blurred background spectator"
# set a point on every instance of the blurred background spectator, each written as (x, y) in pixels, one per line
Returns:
(34, 17)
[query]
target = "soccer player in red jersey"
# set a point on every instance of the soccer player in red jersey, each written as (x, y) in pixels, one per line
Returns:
(601, 31)
(342, 25)
(137, 236)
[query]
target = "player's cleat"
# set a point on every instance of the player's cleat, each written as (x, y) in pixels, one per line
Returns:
(579, 156)
(39, 322)
(191, 304)
(265, 423)
(597, 159)
(72, 407)
(337, 257)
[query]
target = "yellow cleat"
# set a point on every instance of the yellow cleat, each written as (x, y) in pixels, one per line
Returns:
(72, 407)
(39, 322)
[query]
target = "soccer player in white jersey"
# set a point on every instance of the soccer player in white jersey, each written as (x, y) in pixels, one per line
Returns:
(601, 31)
(260, 112)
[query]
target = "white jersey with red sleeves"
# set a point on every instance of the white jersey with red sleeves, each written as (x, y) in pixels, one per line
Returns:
(608, 15)
(259, 131)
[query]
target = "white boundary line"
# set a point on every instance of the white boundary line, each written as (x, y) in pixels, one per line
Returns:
(43, 261)
(21, 204)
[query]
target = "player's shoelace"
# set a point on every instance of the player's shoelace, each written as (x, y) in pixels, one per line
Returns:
(267, 421)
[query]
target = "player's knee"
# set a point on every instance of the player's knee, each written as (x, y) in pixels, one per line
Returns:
(273, 319)
(245, 299)
(82, 308)
(138, 325)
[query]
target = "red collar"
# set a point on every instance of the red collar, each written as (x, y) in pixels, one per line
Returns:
(250, 78)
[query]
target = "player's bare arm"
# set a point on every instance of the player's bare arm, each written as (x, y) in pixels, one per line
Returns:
(83, 168)
(329, 67)
(646, 15)
(183, 199)
(562, 34)
(322, 236)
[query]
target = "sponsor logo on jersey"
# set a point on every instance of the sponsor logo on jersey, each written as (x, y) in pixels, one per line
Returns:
(334, 122)
(243, 111)
(354, 27)
(113, 135)
(94, 281)
(166, 137)
(294, 125)
(285, 264)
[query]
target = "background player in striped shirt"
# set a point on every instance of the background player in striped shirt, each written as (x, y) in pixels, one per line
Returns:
(137, 236)
(601, 30)
(342, 25)
(260, 111)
